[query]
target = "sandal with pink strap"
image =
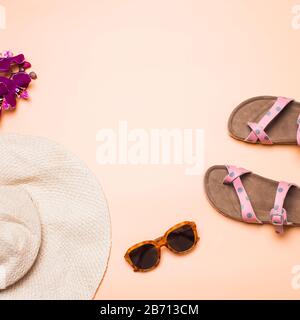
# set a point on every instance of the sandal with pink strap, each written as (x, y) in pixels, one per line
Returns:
(244, 196)
(266, 120)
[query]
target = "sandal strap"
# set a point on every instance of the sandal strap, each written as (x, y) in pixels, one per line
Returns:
(258, 129)
(278, 214)
(234, 178)
(298, 131)
(259, 133)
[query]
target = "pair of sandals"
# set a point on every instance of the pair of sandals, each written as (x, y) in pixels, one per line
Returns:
(244, 196)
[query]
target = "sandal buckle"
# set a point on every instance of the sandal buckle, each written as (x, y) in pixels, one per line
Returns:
(278, 218)
(277, 215)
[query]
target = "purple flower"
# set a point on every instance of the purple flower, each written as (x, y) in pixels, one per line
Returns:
(7, 62)
(9, 95)
(24, 95)
(16, 86)
(3, 89)
(7, 54)
(26, 65)
(3, 92)
(21, 79)
(13, 84)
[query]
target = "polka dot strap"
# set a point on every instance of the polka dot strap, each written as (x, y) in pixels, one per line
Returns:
(278, 214)
(234, 178)
(258, 129)
(234, 173)
(259, 133)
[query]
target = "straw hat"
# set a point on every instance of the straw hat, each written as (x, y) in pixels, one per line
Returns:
(54, 222)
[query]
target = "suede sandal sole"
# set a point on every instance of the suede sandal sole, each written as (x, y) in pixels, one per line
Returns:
(282, 129)
(260, 191)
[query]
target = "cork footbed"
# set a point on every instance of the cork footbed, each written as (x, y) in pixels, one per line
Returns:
(261, 192)
(282, 130)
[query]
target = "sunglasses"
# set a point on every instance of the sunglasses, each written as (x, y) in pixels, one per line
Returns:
(180, 239)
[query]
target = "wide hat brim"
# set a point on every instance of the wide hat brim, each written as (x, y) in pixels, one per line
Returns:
(75, 222)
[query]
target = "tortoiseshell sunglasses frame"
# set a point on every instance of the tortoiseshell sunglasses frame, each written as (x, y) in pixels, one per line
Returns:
(162, 242)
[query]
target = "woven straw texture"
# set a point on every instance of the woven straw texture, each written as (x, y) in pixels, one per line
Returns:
(55, 231)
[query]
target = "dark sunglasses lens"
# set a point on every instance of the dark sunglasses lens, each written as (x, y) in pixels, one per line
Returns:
(181, 239)
(144, 257)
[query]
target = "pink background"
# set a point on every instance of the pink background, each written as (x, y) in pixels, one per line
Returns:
(165, 64)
